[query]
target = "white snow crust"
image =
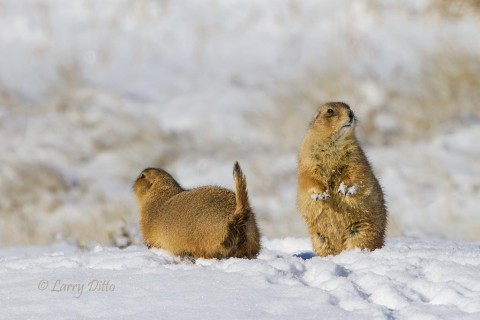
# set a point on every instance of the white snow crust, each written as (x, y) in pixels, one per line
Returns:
(407, 279)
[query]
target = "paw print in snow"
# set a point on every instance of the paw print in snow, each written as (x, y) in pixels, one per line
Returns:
(318, 196)
(346, 190)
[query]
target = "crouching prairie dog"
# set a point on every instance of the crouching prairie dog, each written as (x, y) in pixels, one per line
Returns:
(205, 222)
(338, 195)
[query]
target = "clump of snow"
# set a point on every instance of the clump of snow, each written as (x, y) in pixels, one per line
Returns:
(405, 279)
(351, 190)
(346, 190)
(318, 196)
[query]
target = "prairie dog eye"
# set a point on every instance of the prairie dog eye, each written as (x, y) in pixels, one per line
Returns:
(330, 111)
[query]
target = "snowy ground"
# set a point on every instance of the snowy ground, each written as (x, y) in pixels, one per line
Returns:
(407, 279)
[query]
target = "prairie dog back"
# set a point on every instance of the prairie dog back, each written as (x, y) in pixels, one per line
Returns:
(208, 222)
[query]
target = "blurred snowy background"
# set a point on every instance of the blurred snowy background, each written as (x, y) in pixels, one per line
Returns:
(91, 92)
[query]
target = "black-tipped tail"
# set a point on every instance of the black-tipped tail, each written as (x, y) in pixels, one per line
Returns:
(241, 193)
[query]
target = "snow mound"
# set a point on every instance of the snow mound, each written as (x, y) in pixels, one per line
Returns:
(405, 279)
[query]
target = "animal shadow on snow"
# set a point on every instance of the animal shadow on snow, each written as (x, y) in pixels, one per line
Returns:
(306, 255)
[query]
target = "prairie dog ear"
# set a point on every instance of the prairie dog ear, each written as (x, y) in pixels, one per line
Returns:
(315, 117)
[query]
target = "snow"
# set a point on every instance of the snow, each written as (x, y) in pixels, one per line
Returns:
(407, 279)
(342, 188)
(193, 87)
(318, 196)
(346, 190)
(440, 177)
(92, 92)
(352, 190)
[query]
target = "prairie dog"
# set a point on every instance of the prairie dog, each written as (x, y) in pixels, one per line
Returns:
(205, 222)
(338, 195)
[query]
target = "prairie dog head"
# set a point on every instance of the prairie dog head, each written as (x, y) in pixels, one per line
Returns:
(156, 182)
(334, 120)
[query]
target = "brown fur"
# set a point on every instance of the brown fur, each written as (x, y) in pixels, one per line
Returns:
(330, 156)
(206, 222)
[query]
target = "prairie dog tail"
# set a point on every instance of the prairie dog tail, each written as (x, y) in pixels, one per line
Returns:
(241, 194)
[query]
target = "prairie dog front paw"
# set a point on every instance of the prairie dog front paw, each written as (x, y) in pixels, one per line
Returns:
(347, 190)
(320, 196)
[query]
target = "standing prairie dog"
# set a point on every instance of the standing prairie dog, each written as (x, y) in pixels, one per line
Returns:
(205, 222)
(338, 195)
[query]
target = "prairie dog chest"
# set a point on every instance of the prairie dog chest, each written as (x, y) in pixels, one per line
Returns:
(328, 165)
